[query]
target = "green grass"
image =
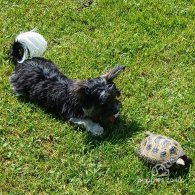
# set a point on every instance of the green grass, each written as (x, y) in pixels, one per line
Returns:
(40, 154)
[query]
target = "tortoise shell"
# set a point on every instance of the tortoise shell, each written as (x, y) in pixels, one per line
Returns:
(159, 149)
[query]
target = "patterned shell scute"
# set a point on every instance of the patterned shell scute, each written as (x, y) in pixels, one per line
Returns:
(160, 149)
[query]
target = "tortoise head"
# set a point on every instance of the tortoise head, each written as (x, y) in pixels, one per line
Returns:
(183, 161)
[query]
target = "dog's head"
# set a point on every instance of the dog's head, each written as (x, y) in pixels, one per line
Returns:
(99, 96)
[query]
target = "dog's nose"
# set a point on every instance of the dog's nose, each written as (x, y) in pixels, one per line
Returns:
(115, 109)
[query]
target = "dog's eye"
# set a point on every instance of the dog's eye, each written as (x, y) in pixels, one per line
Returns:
(110, 87)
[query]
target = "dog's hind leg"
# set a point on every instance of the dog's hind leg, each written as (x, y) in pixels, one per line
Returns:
(91, 126)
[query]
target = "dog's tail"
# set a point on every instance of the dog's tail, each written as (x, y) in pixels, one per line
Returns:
(26, 46)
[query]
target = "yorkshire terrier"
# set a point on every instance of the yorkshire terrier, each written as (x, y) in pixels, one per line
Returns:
(91, 102)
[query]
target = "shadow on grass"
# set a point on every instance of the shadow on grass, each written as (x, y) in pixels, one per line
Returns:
(183, 172)
(120, 131)
(174, 174)
(117, 133)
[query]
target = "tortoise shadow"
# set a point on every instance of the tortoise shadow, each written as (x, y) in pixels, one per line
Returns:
(173, 173)
(183, 172)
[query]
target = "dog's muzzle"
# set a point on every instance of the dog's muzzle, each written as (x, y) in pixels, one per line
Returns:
(113, 117)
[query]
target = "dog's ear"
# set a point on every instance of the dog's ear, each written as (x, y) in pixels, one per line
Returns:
(109, 76)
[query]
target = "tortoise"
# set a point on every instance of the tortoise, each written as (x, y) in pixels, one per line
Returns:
(161, 150)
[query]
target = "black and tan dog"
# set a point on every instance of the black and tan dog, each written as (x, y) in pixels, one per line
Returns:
(86, 102)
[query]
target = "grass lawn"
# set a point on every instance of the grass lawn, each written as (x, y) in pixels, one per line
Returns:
(40, 154)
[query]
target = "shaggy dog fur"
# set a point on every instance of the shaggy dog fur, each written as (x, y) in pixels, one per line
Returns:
(79, 101)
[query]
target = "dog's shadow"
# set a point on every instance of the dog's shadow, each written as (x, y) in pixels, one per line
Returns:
(116, 133)
(121, 130)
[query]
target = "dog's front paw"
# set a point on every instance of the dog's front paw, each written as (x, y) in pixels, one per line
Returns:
(96, 129)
